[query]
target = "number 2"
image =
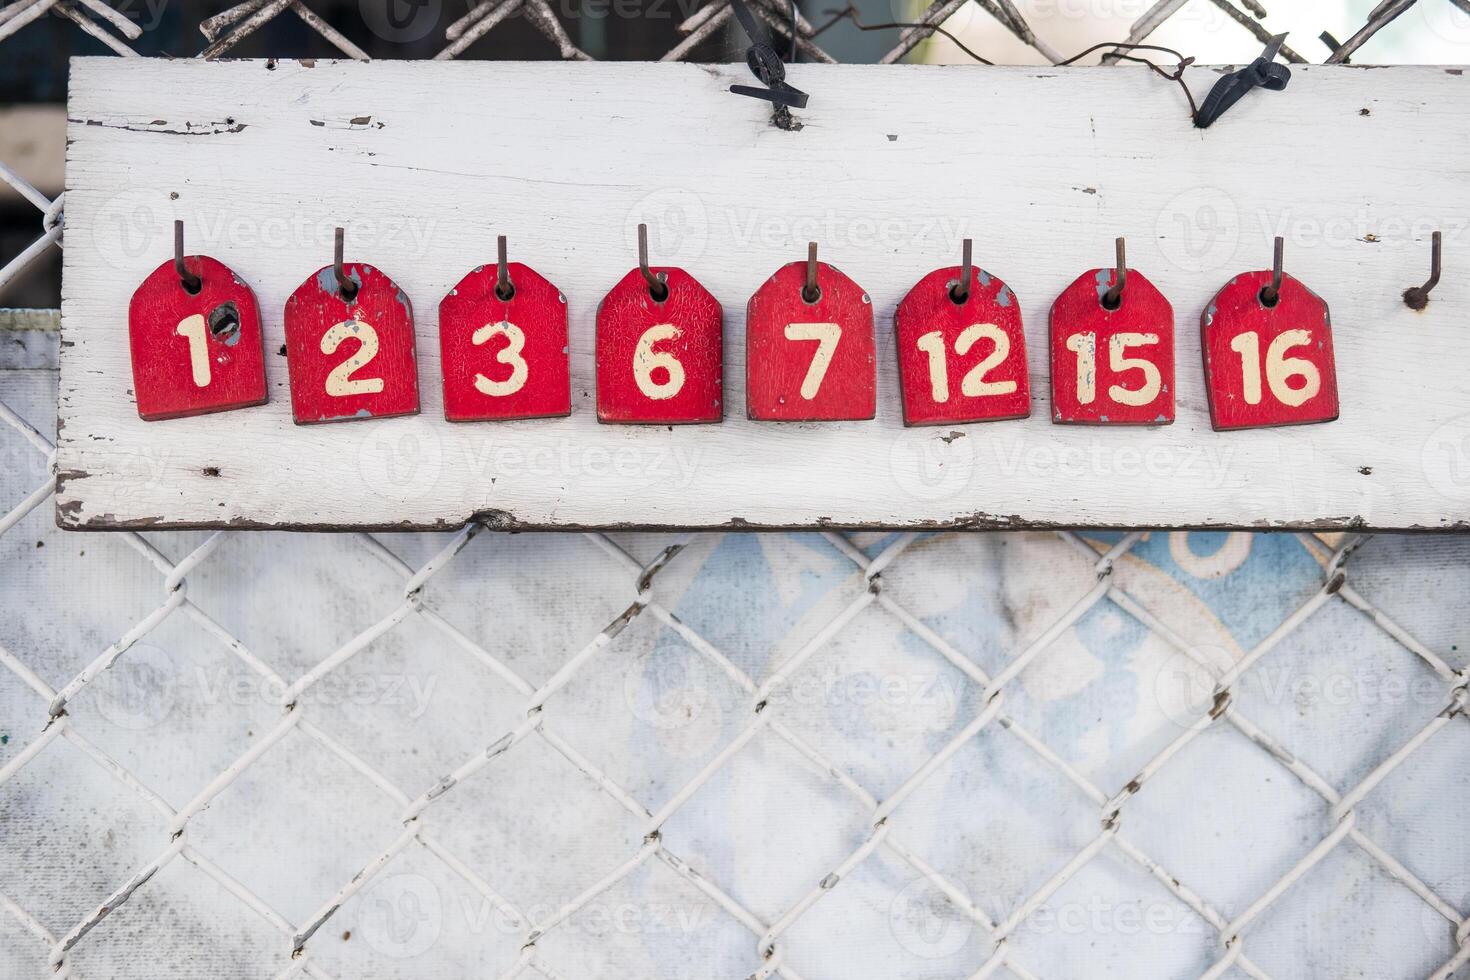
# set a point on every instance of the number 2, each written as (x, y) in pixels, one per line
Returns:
(340, 382)
(826, 335)
(973, 385)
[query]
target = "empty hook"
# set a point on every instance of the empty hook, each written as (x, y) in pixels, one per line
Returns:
(1114, 296)
(190, 281)
(345, 286)
(960, 291)
(504, 288)
(656, 287)
(811, 292)
(1417, 297)
(1271, 293)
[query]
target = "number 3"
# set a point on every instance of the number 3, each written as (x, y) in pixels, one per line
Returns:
(510, 354)
(340, 382)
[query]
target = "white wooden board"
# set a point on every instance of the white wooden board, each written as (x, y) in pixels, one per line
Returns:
(425, 163)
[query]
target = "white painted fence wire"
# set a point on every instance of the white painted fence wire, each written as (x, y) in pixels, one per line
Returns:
(888, 824)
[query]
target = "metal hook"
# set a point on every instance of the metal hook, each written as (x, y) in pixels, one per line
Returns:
(1417, 297)
(504, 288)
(1114, 296)
(345, 286)
(1272, 293)
(960, 291)
(190, 281)
(656, 286)
(811, 292)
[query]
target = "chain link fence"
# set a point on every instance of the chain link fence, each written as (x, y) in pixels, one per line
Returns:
(728, 747)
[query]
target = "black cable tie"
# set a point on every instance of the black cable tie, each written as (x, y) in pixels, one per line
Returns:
(1264, 72)
(765, 64)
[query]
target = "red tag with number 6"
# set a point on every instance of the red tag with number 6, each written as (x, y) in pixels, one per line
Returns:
(1268, 364)
(1112, 361)
(961, 359)
(350, 355)
(196, 343)
(809, 347)
(504, 356)
(660, 359)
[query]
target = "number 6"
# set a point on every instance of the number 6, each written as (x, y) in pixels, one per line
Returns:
(646, 359)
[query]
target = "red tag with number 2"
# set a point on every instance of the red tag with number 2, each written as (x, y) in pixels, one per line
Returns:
(351, 356)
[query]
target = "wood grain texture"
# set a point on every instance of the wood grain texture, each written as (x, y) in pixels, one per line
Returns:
(263, 160)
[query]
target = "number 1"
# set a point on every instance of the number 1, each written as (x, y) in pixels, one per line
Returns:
(196, 330)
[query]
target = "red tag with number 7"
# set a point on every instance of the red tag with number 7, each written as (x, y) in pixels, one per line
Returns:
(1268, 363)
(809, 347)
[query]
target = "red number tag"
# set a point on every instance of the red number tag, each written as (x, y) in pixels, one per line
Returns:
(965, 361)
(810, 361)
(504, 358)
(195, 352)
(1112, 367)
(350, 358)
(660, 361)
(1268, 365)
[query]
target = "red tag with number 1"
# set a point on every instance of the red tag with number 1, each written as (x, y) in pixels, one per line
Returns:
(196, 343)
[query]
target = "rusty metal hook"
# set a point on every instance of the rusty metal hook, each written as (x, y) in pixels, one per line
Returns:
(1271, 293)
(1113, 297)
(345, 286)
(190, 282)
(960, 291)
(504, 288)
(1417, 297)
(811, 292)
(657, 288)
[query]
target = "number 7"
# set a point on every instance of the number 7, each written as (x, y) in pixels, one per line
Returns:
(826, 335)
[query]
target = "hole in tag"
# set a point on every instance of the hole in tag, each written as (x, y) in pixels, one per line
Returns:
(1110, 303)
(1268, 300)
(193, 286)
(812, 295)
(224, 322)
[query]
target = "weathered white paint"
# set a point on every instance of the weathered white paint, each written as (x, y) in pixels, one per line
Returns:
(425, 163)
